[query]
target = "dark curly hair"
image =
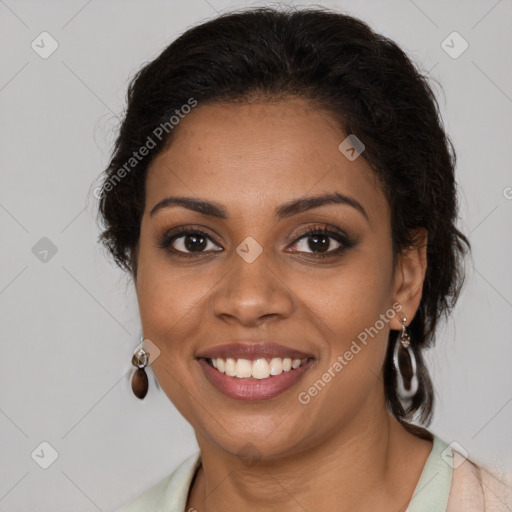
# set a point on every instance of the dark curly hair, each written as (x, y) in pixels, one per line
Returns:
(363, 80)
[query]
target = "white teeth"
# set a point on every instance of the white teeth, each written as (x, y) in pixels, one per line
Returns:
(230, 367)
(276, 366)
(259, 368)
(243, 368)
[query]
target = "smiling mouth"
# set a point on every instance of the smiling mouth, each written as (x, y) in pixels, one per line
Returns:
(259, 368)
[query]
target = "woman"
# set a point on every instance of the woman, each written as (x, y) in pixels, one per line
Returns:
(282, 192)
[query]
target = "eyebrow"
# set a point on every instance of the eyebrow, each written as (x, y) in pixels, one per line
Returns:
(286, 210)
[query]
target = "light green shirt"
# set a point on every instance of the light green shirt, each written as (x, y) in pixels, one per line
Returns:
(430, 495)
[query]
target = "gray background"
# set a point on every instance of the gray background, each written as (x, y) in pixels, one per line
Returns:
(70, 323)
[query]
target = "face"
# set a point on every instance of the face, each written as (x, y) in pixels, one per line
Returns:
(258, 268)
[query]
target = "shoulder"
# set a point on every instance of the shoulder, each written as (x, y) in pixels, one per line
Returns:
(476, 486)
(497, 487)
(170, 493)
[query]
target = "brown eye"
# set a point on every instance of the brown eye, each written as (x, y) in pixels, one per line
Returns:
(187, 242)
(322, 242)
(317, 243)
(192, 242)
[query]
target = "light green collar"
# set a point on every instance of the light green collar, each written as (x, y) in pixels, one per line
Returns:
(433, 488)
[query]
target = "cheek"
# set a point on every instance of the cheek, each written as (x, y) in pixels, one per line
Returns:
(355, 347)
(165, 296)
(351, 297)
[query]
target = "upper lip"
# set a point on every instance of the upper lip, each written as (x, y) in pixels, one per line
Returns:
(250, 350)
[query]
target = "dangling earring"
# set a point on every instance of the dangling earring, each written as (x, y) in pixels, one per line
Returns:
(404, 362)
(140, 359)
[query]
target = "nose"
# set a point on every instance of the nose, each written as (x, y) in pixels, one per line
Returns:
(252, 293)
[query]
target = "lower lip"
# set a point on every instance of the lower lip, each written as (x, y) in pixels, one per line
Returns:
(252, 389)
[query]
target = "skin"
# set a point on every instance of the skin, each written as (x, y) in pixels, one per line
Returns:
(342, 451)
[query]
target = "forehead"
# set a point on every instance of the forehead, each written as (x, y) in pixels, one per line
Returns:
(260, 154)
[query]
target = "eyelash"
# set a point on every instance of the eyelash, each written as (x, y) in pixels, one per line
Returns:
(167, 239)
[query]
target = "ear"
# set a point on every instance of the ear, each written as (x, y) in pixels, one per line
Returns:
(410, 272)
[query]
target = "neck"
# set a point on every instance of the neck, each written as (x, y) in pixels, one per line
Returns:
(371, 462)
